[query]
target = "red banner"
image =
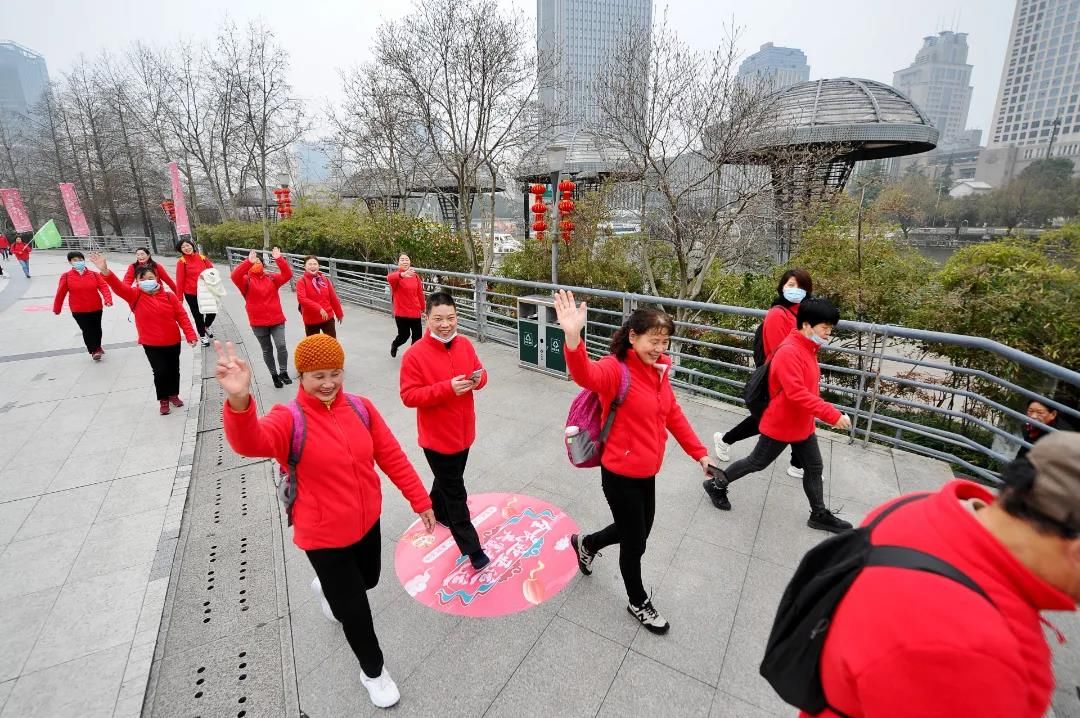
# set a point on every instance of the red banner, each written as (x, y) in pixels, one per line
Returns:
(79, 228)
(183, 227)
(14, 205)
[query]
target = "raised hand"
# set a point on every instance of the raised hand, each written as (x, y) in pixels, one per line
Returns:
(99, 261)
(571, 318)
(233, 374)
(253, 256)
(276, 252)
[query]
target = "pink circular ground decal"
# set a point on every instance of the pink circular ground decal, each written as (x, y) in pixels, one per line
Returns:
(527, 540)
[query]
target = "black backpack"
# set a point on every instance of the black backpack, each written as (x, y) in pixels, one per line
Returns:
(759, 345)
(756, 392)
(792, 663)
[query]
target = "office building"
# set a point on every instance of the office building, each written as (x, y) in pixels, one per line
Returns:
(939, 82)
(777, 67)
(23, 80)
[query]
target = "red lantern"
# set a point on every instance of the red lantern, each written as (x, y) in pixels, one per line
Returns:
(566, 186)
(566, 238)
(539, 208)
(539, 225)
(538, 189)
(566, 226)
(566, 206)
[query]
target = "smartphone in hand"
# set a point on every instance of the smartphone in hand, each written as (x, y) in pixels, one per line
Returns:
(475, 376)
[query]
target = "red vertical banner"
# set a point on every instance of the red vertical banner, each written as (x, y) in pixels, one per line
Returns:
(14, 205)
(183, 227)
(74, 210)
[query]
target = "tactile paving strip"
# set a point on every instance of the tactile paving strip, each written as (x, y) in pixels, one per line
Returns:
(232, 498)
(212, 454)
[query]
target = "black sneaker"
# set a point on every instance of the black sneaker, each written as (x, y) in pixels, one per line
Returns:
(284, 376)
(648, 617)
(479, 560)
(277, 381)
(717, 495)
(584, 558)
(824, 520)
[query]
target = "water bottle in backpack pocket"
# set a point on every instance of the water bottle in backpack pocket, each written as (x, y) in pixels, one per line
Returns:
(584, 436)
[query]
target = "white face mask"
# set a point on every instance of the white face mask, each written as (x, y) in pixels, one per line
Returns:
(820, 341)
(444, 341)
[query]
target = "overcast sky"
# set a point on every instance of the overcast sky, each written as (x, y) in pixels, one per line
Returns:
(860, 38)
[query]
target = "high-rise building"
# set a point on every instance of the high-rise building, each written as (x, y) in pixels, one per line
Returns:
(23, 80)
(581, 35)
(778, 67)
(939, 82)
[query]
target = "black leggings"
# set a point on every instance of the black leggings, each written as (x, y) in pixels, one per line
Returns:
(202, 321)
(749, 427)
(90, 324)
(326, 327)
(165, 361)
(346, 575)
(766, 452)
(633, 505)
(449, 499)
(405, 327)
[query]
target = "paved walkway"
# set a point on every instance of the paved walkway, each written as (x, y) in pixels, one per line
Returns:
(716, 576)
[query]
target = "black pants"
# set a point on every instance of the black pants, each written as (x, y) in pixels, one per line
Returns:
(202, 321)
(749, 427)
(766, 452)
(90, 324)
(449, 499)
(346, 575)
(633, 505)
(326, 327)
(405, 327)
(165, 361)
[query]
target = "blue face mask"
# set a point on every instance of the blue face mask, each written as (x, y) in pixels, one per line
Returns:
(794, 294)
(148, 285)
(80, 266)
(820, 341)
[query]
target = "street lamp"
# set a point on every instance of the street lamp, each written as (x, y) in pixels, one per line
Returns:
(556, 156)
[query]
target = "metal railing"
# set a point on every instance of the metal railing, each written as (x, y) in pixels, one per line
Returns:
(127, 245)
(893, 381)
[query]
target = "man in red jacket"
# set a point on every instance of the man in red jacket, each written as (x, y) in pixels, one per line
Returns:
(438, 376)
(795, 401)
(909, 643)
(84, 291)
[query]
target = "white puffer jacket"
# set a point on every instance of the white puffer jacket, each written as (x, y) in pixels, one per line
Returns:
(211, 289)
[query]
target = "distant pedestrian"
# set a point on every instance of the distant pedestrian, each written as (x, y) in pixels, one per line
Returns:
(634, 450)
(438, 377)
(338, 500)
(319, 303)
(795, 401)
(5, 247)
(159, 321)
(85, 290)
(143, 259)
(189, 266)
(407, 295)
(794, 286)
(263, 304)
(21, 249)
(1042, 413)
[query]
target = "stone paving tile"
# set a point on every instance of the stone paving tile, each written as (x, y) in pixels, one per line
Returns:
(86, 688)
(21, 622)
(83, 469)
(5, 690)
(138, 493)
(646, 688)
(12, 515)
(25, 480)
(39, 563)
(63, 510)
(726, 705)
(118, 544)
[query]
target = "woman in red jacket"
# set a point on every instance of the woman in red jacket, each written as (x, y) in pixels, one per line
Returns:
(339, 494)
(21, 249)
(794, 286)
(86, 290)
(263, 304)
(159, 319)
(635, 447)
(407, 293)
(5, 247)
(143, 259)
(188, 268)
(319, 303)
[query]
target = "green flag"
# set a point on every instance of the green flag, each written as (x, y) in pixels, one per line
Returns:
(48, 237)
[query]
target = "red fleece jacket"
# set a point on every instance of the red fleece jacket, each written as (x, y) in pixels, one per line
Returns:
(779, 321)
(159, 269)
(445, 422)
(796, 400)
(312, 299)
(159, 317)
(339, 494)
(260, 291)
(83, 291)
(188, 269)
(906, 643)
(407, 294)
(635, 446)
(21, 250)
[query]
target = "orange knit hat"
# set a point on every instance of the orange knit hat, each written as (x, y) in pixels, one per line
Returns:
(319, 351)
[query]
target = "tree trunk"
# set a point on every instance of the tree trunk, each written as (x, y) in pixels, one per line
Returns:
(139, 193)
(265, 202)
(87, 181)
(114, 216)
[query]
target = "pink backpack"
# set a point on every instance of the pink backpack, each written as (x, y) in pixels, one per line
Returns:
(586, 446)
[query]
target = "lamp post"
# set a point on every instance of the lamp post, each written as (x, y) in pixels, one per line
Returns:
(556, 156)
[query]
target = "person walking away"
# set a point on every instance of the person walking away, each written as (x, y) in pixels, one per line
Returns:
(21, 249)
(906, 642)
(438, 377)
(143, 259)
(338, 500)
(788, 420)
(188, 268)
(5, 247)
(794, 286)
(86, 292)
(1042, 413)
(263, 305)
(159, 321)
(210, 290)
(407, 294)
(634, 451)
(319, 303)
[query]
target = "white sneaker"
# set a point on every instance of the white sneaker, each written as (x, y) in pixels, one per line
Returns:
(723, 451)
(794, 472)
(382, 690)
(649, 617)
(205, 341)
(316, 586)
